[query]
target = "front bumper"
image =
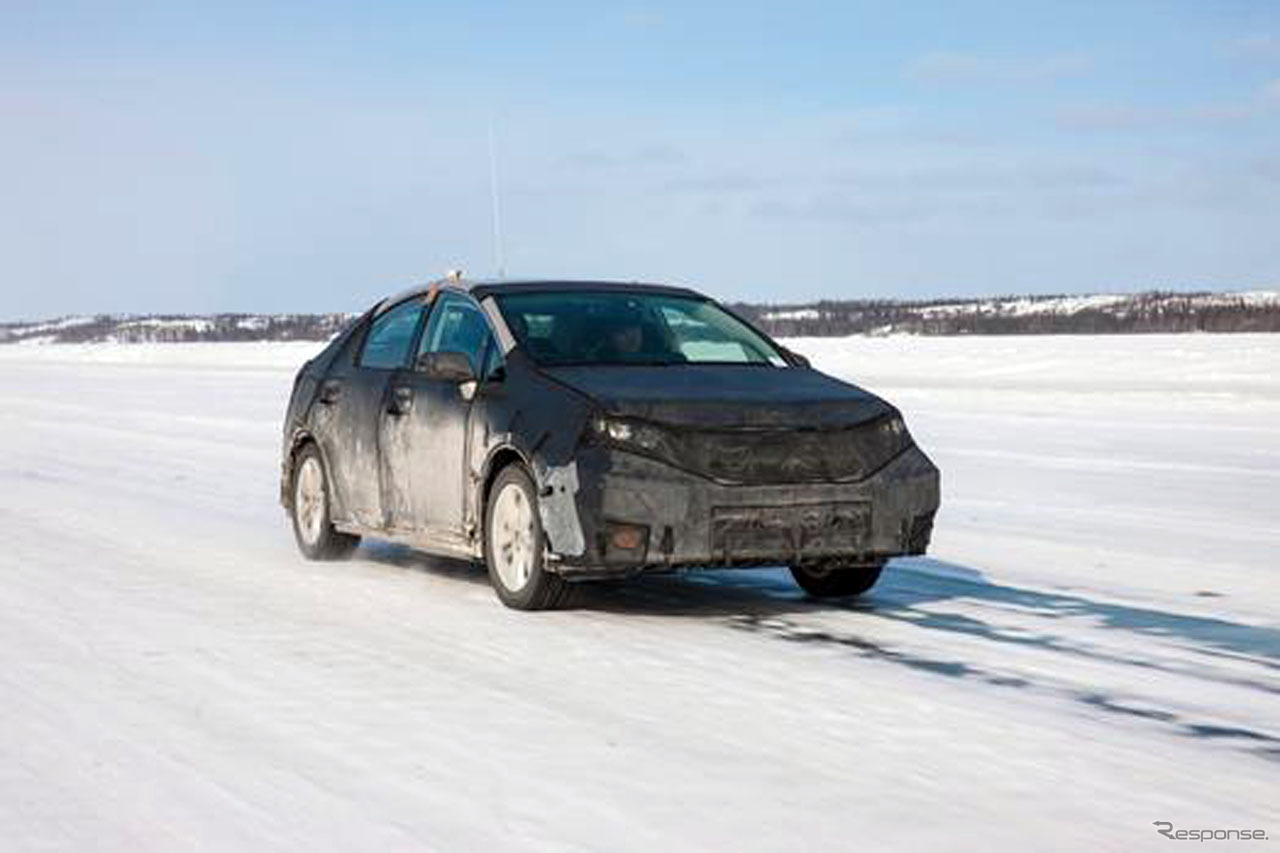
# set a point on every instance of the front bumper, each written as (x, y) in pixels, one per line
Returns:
(690, 521)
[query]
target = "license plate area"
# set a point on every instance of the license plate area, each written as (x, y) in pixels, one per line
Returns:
(755, 532)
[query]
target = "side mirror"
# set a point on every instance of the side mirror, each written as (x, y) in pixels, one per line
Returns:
(449, 366)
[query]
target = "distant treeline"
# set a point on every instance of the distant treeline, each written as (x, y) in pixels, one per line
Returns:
(176, 328)
(1012, 315)
(1026, 315)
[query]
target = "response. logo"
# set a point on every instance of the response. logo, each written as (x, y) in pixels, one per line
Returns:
(1163, 827)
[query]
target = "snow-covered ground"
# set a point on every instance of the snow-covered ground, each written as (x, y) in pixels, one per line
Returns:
(1093, 646)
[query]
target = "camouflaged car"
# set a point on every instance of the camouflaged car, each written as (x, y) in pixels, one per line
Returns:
(569, 431)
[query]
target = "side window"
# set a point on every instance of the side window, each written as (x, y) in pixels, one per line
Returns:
(457, 325)
(387, 344)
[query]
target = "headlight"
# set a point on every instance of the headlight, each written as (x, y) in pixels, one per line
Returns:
(894, 428)
(890, 439)
(629, 433)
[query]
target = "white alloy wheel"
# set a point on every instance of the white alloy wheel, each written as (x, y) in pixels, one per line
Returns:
(309, 501)
(512, 538)
(312, 510)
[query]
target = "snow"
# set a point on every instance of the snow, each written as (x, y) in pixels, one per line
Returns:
(50, 326)
(274, 356)
(1025, 306)
(794, 314)
(185, 324)
(1093, 645)
(952, 309)
(1061, 305)
(1253, 298)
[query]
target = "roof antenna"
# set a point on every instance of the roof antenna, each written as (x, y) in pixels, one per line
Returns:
(497, 209)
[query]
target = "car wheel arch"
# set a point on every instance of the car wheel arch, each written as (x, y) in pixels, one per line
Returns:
(302, 438)
(298, 440)
(499, 457)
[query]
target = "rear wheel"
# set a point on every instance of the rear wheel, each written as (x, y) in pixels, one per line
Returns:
(829, 580)
(312, 525)
(515, 546)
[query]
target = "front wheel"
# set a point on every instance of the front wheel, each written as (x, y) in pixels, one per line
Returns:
(312, 524)
(515, 546)
(830, 580)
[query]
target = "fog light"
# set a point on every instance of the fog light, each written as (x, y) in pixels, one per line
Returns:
(628, 537)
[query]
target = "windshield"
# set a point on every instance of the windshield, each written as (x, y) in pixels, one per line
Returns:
(629, 327)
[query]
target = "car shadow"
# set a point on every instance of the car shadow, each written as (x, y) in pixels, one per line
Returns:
(767, 603)
(404, 557)
(906, 586)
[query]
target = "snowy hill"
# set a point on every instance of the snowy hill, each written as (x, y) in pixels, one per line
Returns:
(156, 328)
(1255, 311)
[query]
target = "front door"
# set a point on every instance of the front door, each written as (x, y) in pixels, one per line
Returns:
(425, 431)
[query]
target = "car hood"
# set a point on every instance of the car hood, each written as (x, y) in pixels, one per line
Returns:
(724, 396)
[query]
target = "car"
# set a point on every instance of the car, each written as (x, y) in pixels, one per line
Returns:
(566, 431)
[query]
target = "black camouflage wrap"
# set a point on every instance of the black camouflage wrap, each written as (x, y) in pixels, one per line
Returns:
(741, 465)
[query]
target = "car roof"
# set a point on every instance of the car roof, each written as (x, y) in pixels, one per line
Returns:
(480, 288)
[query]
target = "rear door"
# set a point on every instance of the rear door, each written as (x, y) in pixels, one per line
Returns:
(349, 410)
(425, 442)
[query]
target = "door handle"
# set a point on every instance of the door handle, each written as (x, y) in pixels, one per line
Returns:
(329, 391)
(401, 401)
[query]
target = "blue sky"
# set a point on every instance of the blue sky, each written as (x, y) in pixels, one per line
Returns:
(313, 156)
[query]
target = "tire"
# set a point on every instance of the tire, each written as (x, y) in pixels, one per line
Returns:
(831, 580)
(312, 525)
(515, 546)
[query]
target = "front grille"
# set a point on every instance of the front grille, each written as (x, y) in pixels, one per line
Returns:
(754, 457)
(779, 532)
